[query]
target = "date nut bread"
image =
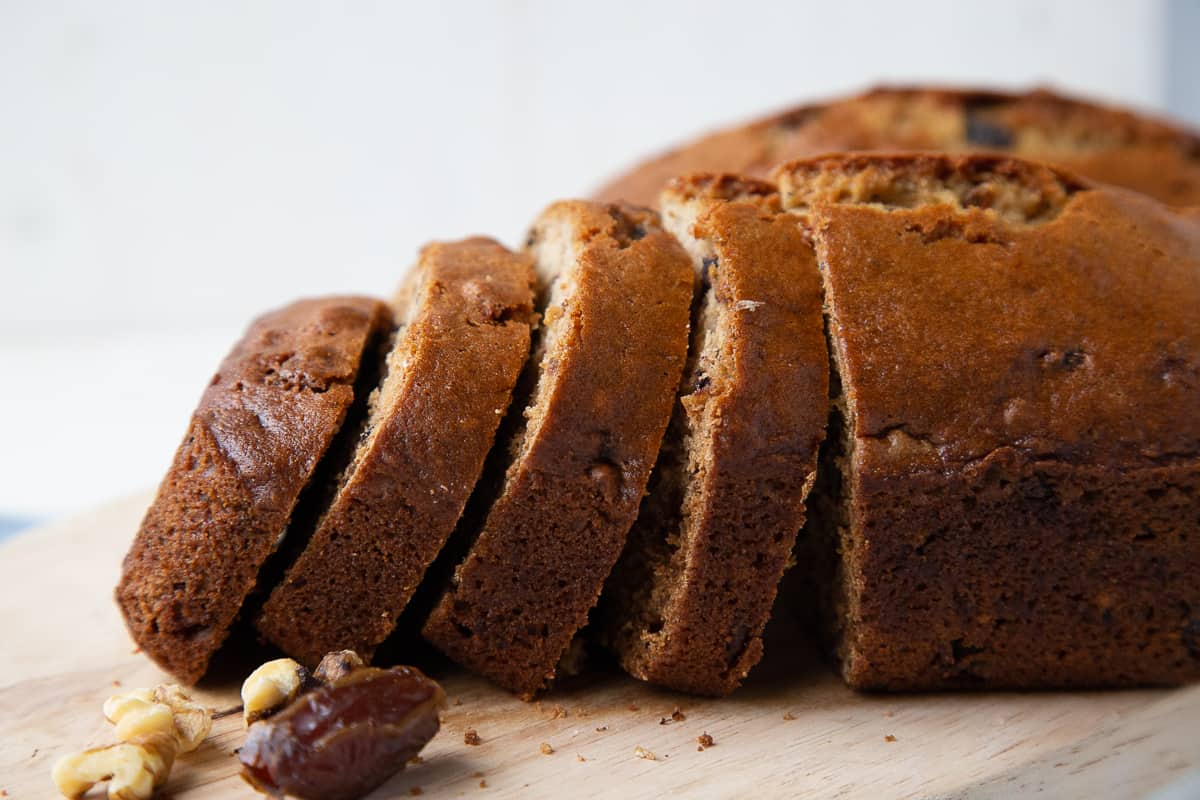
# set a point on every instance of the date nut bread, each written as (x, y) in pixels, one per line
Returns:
(464, 314)
(1107, 144)
(263, 424)
(687, 603)
(1010, 492)
(612, 348)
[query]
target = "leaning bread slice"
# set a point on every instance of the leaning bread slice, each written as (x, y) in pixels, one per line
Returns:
(613, 346)
(688, 601)
(465, 314)
(262, 425)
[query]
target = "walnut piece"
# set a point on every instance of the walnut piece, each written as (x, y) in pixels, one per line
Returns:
(337, 665)
(154, 726)
(271, 687)
(133, 771)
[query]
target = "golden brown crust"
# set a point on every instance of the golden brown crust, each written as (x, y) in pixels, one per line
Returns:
(254, 441)
(1103, 143)
(1020, 500)
(690, 615)
(1039, 319)
(450, 379)
(594, 427)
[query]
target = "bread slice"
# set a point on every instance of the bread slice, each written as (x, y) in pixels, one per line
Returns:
(263, 424)
(465, 315)
(1012, 496)
(1108, 144)
(687, 603)
(612, 348)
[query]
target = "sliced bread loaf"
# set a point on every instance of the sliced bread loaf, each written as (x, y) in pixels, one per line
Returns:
(263, 424)
(464, 314)
(612, 347)
(688, 601)
(1012, 494)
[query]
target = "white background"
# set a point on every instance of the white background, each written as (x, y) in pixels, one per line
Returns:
(169, 169)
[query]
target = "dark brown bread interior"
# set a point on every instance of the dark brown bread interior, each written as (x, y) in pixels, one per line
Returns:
(1010, 496)
(465, 315)
(688, 601)
(613, 345)
(1107, 144)
(262, 425)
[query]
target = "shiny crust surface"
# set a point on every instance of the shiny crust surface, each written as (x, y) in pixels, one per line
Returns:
(262, 425)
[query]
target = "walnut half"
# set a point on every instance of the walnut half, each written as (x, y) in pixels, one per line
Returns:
(154, 725)
(133, 771)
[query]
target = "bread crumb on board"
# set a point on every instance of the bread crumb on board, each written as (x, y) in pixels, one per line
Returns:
(472, 738)
(889, 738)
(676, 716)
(579, 757)
(641, 752)
(705, 740)
(788, 716)
(546, 748)
(483, 784)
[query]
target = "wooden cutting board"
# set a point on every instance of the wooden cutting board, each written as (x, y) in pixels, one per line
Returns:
(794, 730)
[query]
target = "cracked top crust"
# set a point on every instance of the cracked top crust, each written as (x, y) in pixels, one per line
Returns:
(1105, 144)
(959, 331)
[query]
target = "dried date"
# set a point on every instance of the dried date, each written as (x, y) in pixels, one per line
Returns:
(341, 740)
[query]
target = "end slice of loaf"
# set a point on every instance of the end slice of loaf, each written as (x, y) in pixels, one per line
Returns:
(465, 314)
(1010, 493)
(612, 348)
(262, 426)
(688, 601)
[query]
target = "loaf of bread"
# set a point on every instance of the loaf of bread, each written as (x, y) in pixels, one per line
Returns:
(464, 314)
(1010, 495)
(263, 424)
(1003, 360)
(688, 601)
(1107, 144)
(612, 347)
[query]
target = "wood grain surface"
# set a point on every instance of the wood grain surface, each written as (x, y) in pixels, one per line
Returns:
(794, 730)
